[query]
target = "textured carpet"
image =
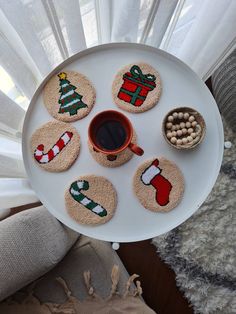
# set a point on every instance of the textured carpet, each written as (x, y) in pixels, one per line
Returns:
(202, 251)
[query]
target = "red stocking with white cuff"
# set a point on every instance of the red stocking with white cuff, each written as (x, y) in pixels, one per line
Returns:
(152, 176)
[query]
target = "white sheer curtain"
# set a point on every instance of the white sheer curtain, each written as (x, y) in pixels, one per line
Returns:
(36, 35)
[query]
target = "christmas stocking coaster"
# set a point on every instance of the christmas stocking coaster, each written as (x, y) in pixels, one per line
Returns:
(55, 146)
(69, 96)
(136, 87)
(91, 200)
(159, 184)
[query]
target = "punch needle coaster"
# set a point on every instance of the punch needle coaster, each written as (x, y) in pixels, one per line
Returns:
(55, 146)
(91, 200)
(136, 87)
(159, 185)
(69, 96)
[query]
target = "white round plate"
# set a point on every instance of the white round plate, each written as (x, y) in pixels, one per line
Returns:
(200, 167)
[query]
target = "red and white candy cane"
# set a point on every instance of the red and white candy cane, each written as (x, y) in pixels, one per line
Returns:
(44, 158)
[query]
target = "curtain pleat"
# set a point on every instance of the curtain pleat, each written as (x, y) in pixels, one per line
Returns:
(125, 16)
(54, 23)
(11, 162)
(16, 67)
(210, 36)
(11, 116)
(104, 20)
(15, 192)
(30, 26)
(69, 16)
(162, 19)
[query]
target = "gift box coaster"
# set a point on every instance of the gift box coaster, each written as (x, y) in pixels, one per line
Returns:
(91, 200)
(55, 146)
(136, 87)
(69, 96)
(158, 184)
(111, 161)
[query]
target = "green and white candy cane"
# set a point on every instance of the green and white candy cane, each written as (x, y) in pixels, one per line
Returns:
(75, 191)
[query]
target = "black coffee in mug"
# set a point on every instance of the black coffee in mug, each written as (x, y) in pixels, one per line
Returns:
(111, 135)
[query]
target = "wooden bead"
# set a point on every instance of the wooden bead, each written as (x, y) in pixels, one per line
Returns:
(169, 134)
(169, 125)
(179, 132)
(186, 116)
(170, 119)
(177, 126)
(173, 134)
(190, 139)
(190, 130)
(194, 123)
(193, 135)
(180, 115)
(173, 128)
(198, 129)
(184, 131)
(179, 142)
(191, 119)
(188, 124)
(184, 140)
(173, 140)
(182, 125)
(175, 115)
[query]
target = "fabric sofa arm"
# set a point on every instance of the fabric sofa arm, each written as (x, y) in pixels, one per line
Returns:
(31, 243)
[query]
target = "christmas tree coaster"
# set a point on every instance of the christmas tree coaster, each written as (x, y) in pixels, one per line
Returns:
(55, 146)
(159, 185)
(91, 200)
(114, 161)
(136, 87)
(69, 96)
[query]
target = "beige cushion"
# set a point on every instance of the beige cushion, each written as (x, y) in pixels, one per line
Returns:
(87, 254)
(31, 243)
(129, 302)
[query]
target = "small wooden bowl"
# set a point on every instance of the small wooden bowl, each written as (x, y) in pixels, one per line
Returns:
(198, 118)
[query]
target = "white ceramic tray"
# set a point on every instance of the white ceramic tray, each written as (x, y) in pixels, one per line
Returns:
(181, 87)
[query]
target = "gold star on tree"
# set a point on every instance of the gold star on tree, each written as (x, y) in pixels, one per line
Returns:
(62, 75)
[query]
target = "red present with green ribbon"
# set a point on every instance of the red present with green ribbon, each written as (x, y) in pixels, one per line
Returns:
(136, 86)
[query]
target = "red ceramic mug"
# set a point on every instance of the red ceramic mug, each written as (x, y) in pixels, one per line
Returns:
(110, 132)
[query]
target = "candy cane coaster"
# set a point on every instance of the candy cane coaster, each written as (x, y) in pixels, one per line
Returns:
(158, 184)
(91, 200)
(55, 146)
(75, 191)
(44, 158)
(136, 87)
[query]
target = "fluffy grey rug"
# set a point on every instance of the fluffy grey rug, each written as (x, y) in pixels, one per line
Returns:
(202, 251)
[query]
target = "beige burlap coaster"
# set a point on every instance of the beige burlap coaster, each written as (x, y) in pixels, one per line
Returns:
(136, 87)
(69, 96)
(158, 184)
(91, 200)
(119, 160)
(55, 146)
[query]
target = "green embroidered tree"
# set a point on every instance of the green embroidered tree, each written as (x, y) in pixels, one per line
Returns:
(69, 101)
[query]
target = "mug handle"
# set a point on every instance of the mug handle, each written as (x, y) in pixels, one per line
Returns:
(136, 149)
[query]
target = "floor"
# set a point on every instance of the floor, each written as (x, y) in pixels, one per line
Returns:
(157, 279)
